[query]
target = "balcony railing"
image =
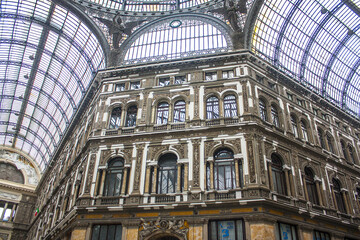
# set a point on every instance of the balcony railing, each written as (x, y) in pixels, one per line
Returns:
(164, 199)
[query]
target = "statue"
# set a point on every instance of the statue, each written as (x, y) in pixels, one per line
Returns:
(117, 28)
(231, 16)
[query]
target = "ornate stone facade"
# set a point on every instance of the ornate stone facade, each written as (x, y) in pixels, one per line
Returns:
(266, 182)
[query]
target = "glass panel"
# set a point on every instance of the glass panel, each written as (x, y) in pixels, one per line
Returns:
(230, 107)
(226, 230)
(118, 232)
(111, 232)
(286, 232)
(212, 108)
(96, 232)
(239, 230)
(131, 116)
(179, 111)
(103, 232)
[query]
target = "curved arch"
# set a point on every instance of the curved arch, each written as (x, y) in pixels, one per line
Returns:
(228, 92)
(250, 22)
(215, 22)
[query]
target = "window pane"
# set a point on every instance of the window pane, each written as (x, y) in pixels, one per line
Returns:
(286, 232)
(226, 230)
(96, 232)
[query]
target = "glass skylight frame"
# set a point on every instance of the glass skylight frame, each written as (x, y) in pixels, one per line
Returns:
(48, 59)
(316, 43)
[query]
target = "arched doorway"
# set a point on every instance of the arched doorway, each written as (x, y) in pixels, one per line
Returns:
(165, 238)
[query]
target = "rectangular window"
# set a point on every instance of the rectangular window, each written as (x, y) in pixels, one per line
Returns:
(227, 229)
(110, 232)
(135, 85)
(321, 235)
(165, 81)
(286, 232)
(272, 86)
(180, 79)
(299, 102)
(228, 74)
(119, 87)
(210, 76)
(290, 96)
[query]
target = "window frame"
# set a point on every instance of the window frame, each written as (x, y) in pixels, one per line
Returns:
(167, 164)
(180, 110)
(212, 108)
(278, 174)
(213, 227)
(130, 120)
(162, 113)
(225, 166)
(100, 237)
(263, 110)
(230, 106)
(320, 233)
(111, 188)
(117, 118)
(293, 230)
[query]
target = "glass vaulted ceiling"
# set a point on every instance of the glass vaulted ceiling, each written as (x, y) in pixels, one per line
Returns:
(48, 58)
(316, 42)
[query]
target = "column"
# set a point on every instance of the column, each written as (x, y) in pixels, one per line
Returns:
(212, 175)
(343, 194)
(318, 191)
(271, 181)
(178, 180)
(186, 176)
(286, 171)
(292, 185)
(237, 176)
(98, 175)
(305, 188)
(154, 182)
(124, 182)
(147, 179)
(334, 199)
(102, 183)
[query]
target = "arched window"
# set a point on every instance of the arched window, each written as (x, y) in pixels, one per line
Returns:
(304, 130)
(294, 126)
(212, 108)
(115, 118)
(278, 174)
(321, 138)
(179, 111)
(338, 198)
(329, 140)
(131, 116)
(310, 186)
(114, 177)
(162, 113)
(343, 148)
(167, 174)
(224, 170)
(262, 109)
(275, 116)
(230, 108)
(351, 153)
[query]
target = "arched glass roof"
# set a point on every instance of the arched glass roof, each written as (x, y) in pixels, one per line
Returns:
(48, 58)
(177, 37)
(317, 43)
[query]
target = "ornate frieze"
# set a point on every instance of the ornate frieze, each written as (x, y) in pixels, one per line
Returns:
(174, 227)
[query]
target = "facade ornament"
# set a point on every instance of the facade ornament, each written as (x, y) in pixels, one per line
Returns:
(177, 227)
(117, 28)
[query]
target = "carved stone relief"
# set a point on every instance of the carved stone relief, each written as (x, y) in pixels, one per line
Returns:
(196, 164)
(174, 227)
(251, 161)
(140, 150)
(90, 173)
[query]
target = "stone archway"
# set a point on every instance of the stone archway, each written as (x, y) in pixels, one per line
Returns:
(164, 238)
